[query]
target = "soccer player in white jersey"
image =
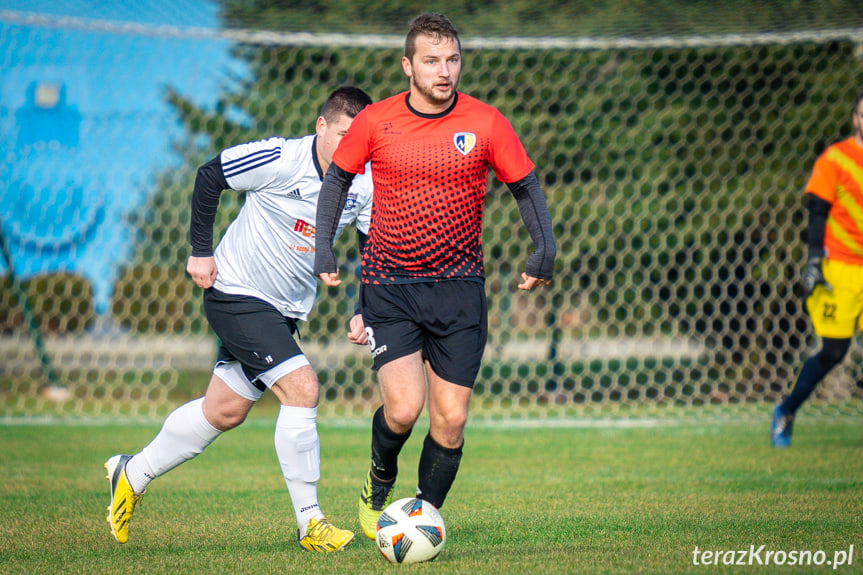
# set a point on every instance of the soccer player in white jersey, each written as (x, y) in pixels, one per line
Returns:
(257, 285)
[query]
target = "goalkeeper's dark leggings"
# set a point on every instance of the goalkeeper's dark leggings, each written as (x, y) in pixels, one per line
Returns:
(814, 370)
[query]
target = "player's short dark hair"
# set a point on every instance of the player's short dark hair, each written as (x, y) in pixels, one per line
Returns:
(347, 100)
(857, 102)
(429, 24)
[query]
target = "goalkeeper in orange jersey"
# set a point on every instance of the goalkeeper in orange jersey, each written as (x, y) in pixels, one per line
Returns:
(833, 275)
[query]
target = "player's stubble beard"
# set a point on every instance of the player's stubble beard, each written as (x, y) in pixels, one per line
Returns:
(428, 92)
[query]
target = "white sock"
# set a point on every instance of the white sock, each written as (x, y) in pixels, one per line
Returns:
(299, 452)
(184, 435)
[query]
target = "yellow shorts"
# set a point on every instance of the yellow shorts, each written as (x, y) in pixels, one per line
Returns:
(836, 314)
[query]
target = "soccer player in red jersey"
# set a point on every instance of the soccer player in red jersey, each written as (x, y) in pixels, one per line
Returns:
(833, 275)
(422, 291)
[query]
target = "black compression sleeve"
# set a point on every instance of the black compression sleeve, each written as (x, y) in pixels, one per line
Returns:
(537, 220)
(209, 184)
(361, 242)
(819, 209)
(331, 203)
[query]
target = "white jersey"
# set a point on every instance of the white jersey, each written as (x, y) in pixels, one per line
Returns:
(268, 251)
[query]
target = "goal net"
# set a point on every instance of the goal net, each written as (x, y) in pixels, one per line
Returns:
(673, 152)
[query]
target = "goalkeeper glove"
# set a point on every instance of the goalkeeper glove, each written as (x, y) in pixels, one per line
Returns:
(813, 275)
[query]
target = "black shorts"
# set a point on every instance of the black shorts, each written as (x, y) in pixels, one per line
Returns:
(447, 320)
(251, 331)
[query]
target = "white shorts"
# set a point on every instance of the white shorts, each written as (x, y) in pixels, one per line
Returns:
(231, 372)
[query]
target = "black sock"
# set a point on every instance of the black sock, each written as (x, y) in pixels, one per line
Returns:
(386, 446)
(437, 470)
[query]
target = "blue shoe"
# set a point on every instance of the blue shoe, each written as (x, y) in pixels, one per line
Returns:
(781, 428)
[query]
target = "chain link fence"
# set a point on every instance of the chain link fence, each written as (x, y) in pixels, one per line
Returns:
(674, 169)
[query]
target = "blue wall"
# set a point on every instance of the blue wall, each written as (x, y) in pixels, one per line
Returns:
(84, 126)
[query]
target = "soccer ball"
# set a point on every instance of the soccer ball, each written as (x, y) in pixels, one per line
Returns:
(410, 530)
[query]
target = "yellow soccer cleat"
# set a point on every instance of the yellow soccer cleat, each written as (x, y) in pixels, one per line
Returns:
(324, 537)
(374, 498)
(123, 498)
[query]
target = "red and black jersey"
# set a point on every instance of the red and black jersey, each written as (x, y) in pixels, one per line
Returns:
(430, 174)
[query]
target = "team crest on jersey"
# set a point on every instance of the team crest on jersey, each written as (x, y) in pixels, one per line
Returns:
(351, 202)
(464, 142)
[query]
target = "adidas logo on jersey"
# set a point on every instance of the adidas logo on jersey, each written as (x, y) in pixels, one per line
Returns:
(294, 194)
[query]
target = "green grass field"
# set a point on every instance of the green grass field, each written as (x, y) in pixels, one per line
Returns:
(556, 499)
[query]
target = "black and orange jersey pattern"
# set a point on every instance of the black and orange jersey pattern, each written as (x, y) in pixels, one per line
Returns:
(430, 174)
(838, 179)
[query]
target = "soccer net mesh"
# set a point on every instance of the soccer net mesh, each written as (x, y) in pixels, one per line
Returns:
(674, 160)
